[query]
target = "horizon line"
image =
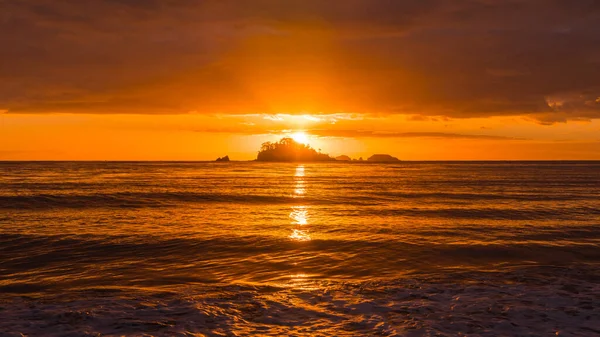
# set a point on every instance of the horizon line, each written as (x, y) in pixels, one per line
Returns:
(286, 162)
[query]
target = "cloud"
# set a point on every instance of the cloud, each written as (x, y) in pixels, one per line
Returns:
(578, 106)
(275, 118)
(253, 129)
(457, 59)
(422, 118)
(380, 134)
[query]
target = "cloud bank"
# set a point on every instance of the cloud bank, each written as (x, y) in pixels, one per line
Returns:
(460, 59)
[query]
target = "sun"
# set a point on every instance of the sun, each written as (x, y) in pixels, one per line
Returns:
(300, 137)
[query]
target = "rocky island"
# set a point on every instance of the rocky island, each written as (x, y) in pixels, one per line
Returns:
(381, 158)
(343, 158)
(288, 150)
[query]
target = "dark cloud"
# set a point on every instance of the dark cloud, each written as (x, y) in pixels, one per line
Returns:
(470, 58)
(581, 105)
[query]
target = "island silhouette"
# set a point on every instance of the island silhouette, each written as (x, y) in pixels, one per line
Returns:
(343, 158)
(382, 158)
(289, 150)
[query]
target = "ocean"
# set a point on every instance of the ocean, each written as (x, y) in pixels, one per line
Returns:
(316, 249)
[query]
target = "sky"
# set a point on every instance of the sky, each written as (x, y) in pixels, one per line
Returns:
(199, 79)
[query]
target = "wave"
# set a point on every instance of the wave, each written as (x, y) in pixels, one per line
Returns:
(131, 200)
(475, 303)
(488, 213)
(91, 260)
(443, 197)
(588, 203)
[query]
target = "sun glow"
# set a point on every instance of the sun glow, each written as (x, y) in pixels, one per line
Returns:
(300, 137)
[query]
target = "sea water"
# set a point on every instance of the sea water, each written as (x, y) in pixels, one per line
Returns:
(322, 249)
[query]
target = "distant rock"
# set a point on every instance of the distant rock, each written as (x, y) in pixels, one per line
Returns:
(382, 158)
(343, 158)
(226, 158)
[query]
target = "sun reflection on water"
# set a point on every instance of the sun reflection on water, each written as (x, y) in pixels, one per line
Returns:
(299, 214)
(300, 235)
(302, 281)
(299, 189)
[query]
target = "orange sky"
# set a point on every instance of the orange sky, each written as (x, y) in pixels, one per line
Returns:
(201, 137)
(191, 80)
